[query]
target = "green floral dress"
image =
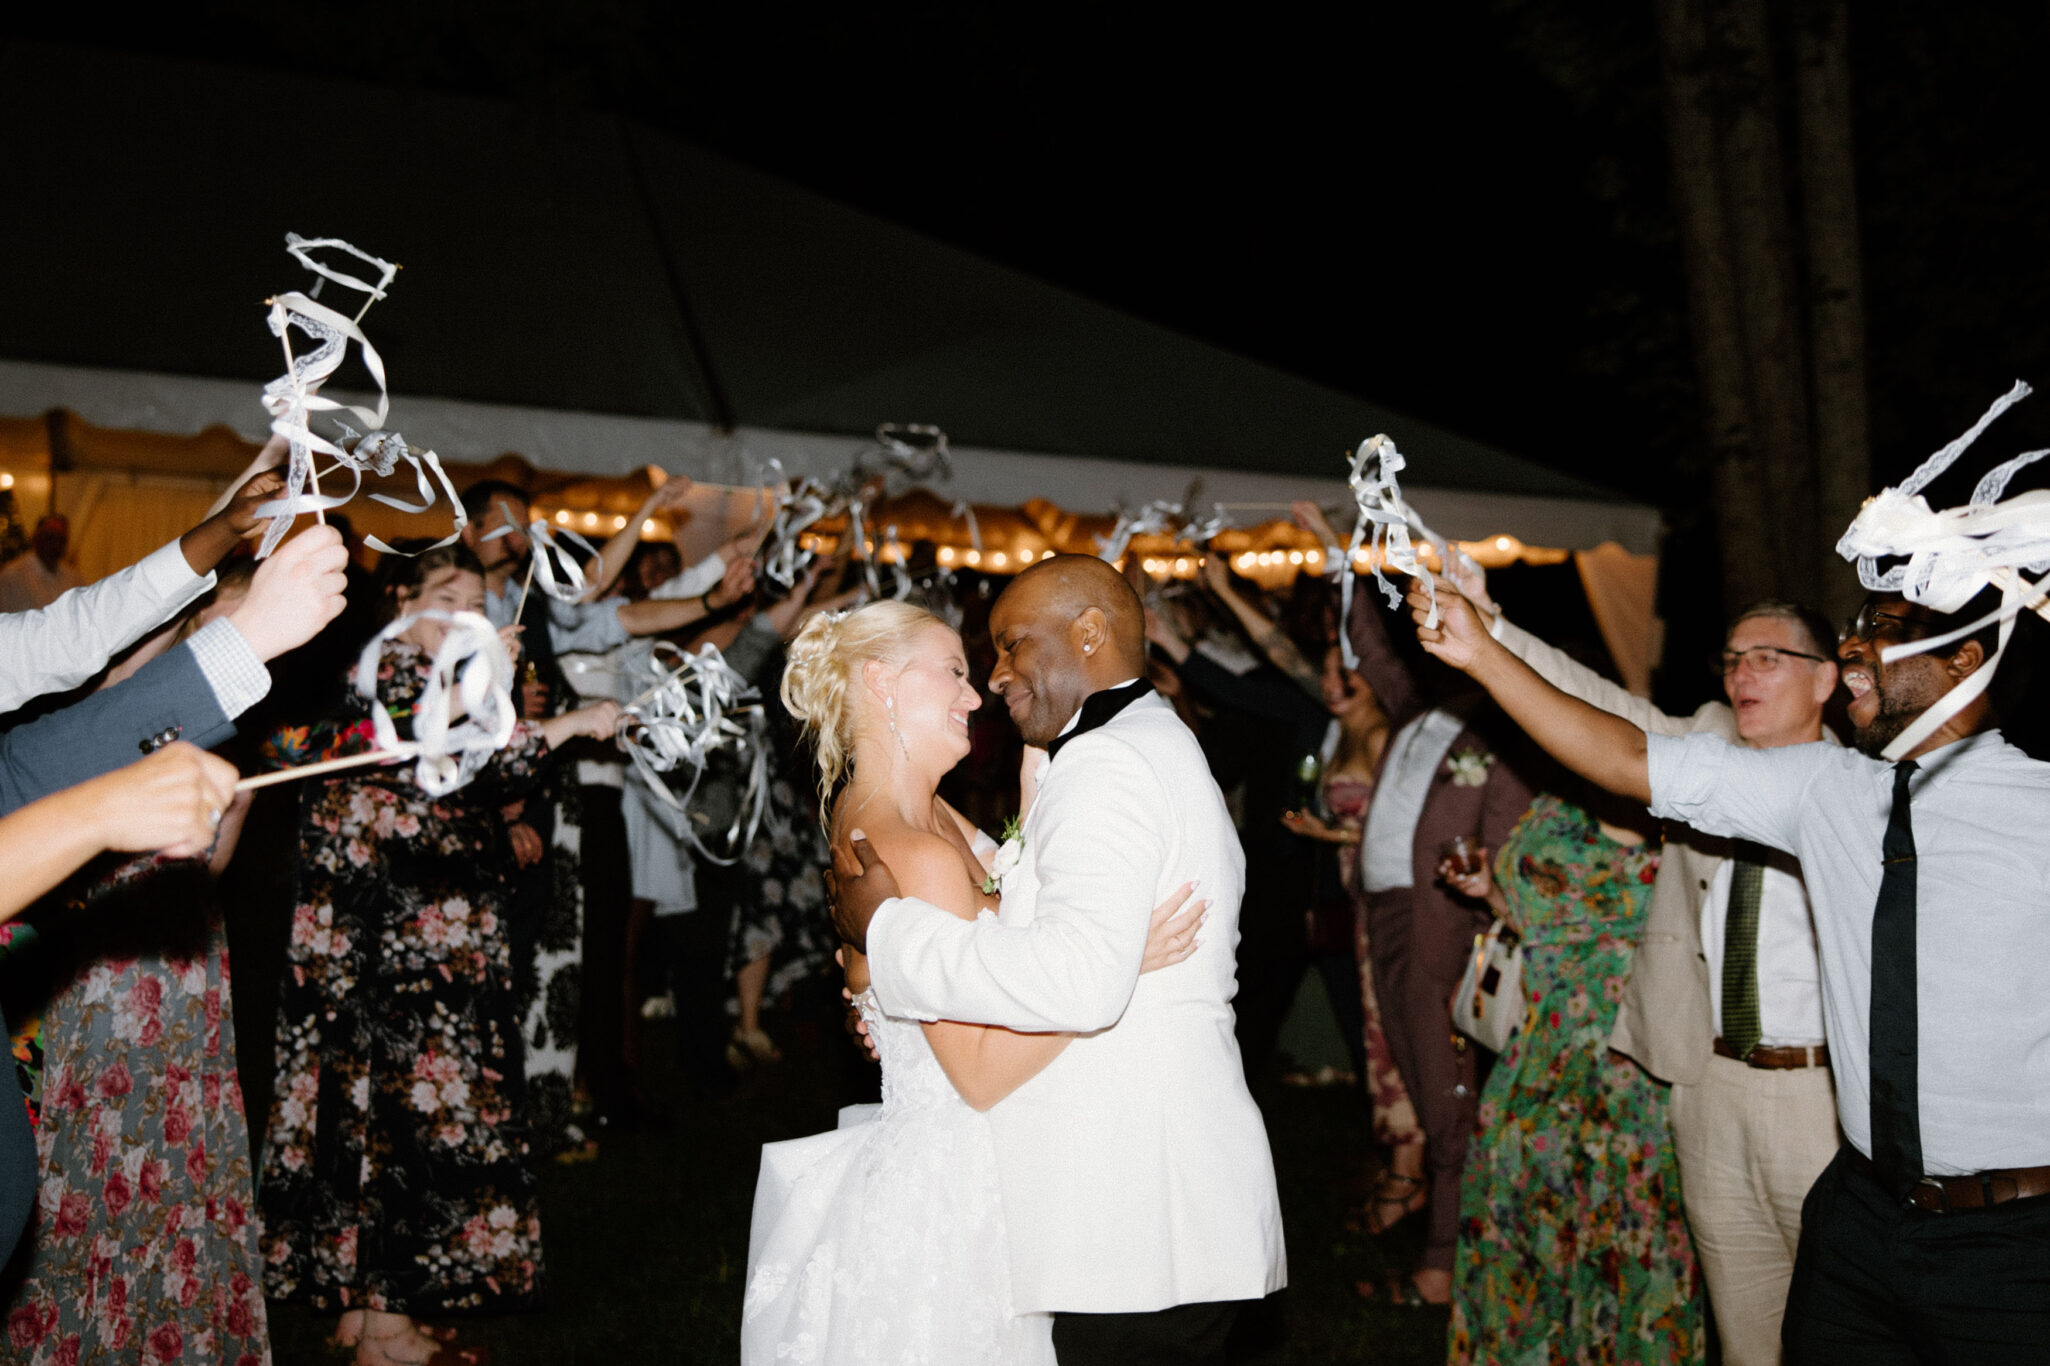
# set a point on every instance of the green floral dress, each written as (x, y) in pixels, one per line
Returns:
(1573, 1246)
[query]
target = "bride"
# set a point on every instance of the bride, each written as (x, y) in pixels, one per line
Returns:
(883, 1240)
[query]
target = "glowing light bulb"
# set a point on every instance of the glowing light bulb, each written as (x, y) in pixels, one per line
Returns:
(562, 517)
(590, 519)
(1000, 559)
(974, 558)
(1182, 566)
(1503, 543)
(6, 481)
(1295, 557)
(618, 521)
(946, 554)
(648, 527)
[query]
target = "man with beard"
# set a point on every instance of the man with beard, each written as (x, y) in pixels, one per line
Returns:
(1928, 1237)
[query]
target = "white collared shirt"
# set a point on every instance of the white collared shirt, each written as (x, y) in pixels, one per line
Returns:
(1980, 808)
(49, 649)
(1789, 975)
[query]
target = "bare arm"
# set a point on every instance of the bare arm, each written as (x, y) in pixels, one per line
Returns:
(652, 616)
(1271, 639)
(1601, 747)
(611, 560)
(173, 800)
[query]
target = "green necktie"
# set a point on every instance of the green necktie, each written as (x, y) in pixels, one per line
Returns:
(1741, 1028)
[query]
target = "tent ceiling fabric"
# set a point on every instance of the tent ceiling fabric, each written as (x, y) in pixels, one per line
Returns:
(598, 295)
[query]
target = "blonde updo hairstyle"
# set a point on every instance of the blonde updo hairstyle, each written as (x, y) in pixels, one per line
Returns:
(822, 680)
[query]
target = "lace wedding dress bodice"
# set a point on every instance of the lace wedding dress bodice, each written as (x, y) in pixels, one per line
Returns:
(882, 1241)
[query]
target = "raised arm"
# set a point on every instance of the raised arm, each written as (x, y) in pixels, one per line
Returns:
(611, 560)
(1271, 639)
(1600, 746)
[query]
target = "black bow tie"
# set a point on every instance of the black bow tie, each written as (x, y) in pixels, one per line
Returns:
(1098, 708)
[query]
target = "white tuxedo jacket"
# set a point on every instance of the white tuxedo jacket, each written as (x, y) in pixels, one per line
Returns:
(1135, 1168)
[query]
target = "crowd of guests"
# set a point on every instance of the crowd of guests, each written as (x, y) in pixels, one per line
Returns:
(471, 979)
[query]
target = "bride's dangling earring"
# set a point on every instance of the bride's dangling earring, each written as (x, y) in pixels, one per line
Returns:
(902, 748)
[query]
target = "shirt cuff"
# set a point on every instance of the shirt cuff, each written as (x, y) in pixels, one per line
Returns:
(164, 571)
(694, 582)
(1682, 771)
(231, 668)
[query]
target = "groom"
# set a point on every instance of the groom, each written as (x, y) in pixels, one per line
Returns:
(1138, 1188)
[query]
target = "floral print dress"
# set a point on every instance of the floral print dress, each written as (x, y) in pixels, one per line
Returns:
(143, 1246)
(1573, 1246)
(396, 1173)
(1395, 1121)
(781, 909)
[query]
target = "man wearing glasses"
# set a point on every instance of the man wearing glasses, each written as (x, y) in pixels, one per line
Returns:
(1724, 1000)
(1927, 1238)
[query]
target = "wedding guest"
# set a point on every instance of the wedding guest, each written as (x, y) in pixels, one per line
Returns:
(551, 628)
(1927, 1235)
(1572, 1241)
(144, 1235)
(39, 578)
(1724, 999)
(1444, 773)
(395, 1181)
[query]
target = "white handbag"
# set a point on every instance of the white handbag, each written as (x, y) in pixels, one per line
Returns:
(1488, 1006)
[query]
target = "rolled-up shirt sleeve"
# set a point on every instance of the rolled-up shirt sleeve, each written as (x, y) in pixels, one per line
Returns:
(585, 627)
(1724, 789)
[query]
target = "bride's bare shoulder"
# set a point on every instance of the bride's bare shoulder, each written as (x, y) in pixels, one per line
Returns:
(925, 866)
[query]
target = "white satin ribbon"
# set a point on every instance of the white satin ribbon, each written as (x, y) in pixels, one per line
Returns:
(1379, 496)
(1953, 556)
(696, 707)
(471, 664)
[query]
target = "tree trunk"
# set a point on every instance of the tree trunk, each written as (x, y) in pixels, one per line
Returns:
(1748, 545)
(1836, 289)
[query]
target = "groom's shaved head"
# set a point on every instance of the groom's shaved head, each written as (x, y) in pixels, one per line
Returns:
(1065, 628)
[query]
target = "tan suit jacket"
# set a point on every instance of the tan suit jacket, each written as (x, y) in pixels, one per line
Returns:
(1666, 1021)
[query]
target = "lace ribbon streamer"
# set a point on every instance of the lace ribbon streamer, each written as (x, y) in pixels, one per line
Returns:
(1385, 523)
(697, 706)
(471, 664)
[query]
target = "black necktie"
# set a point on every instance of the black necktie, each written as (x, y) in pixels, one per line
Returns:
(1896, 1124)
(1098, 708)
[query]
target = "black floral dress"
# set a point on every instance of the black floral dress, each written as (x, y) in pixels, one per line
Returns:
(396, 1175)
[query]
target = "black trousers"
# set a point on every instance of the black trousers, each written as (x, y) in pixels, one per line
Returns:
(1878, 1282)
(601, 1026)
(1186, 1335)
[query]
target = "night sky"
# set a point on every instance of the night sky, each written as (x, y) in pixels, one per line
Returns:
(1458, 210)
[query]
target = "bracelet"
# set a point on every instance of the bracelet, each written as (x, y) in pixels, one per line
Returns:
(705, 601)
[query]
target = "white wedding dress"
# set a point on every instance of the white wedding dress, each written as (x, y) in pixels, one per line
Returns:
(882, 1241)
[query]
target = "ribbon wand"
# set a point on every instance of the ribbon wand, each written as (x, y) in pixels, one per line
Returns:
(286, 775)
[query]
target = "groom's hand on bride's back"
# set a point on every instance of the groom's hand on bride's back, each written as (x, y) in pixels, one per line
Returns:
(861, 883)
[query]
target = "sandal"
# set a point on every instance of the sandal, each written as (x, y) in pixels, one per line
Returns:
(751, 1048)
(1397, 1291)
(1374, 1220)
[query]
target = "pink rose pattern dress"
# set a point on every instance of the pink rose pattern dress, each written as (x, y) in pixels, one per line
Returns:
(1573, 1245)
(396, 1173)
(143, 1246)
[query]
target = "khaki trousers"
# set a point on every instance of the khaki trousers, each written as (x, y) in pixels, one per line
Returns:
(1751, 1144)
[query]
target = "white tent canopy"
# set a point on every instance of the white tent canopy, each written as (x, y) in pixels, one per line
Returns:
(604, 444)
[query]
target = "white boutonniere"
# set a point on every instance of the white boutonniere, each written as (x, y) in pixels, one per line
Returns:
(1470, 767)
(1008, 853)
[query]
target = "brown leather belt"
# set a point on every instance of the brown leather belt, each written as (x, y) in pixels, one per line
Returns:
(1980, 1190)
(1778, 1059)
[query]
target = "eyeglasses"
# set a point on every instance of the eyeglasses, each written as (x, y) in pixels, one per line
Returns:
(1763, 659)
(1871, 623)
